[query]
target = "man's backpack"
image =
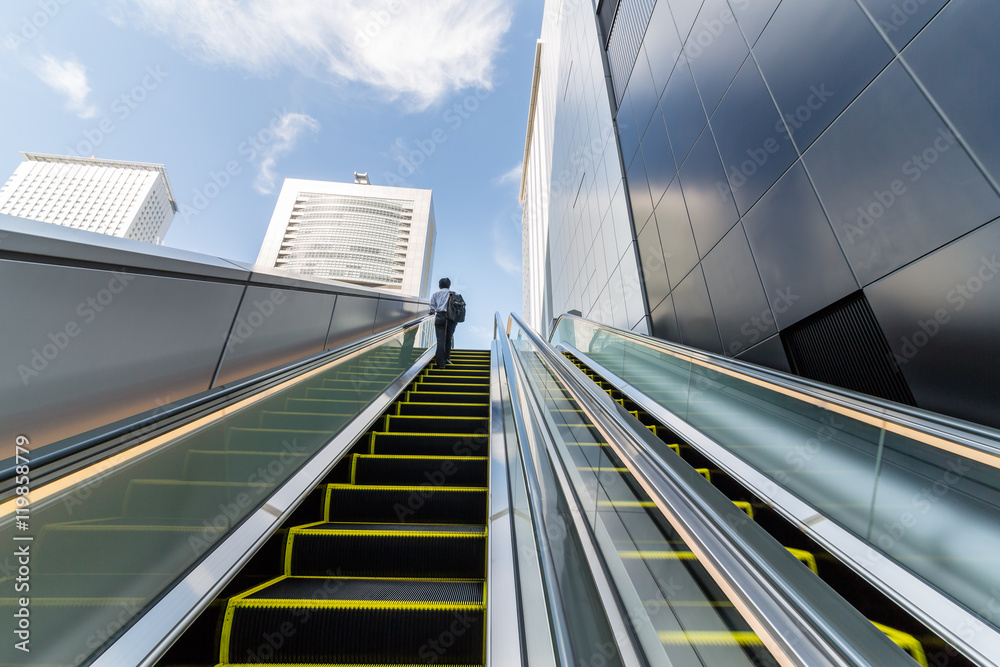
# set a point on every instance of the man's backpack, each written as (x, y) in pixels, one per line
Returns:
(456, 307)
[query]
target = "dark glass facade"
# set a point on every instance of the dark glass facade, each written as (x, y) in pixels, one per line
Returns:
(791, 162)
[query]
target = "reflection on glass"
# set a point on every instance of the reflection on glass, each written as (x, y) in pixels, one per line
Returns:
(679, 614)
(933, 511)
(108, 545)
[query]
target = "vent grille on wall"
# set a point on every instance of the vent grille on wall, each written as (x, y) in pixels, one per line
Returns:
(625, 39)
(606, 11)
(843, 345)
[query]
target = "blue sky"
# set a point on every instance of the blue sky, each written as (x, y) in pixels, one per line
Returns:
(235, 95)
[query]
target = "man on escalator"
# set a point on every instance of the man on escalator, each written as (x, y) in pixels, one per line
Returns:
(449, 309)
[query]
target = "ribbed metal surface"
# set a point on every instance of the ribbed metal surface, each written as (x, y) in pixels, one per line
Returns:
(365, 554)
(416, 471)
(357, 636)
(844, 346)
(407, 504)
(606, 11)
(625, 40)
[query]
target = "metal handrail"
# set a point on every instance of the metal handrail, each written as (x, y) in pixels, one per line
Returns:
(560, 634)
(149, 635)
(975, 441)
(799, 617)
(504, 621)
(940, 613)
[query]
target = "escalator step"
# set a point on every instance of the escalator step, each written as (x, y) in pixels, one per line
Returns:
(415, 424)
(415, 470)
(444, 409)
(455, 378)
(451, 388)
(405, 504)
(436, 396)
(468, 371)
(430, 444)
(350, 621)
(377, 550)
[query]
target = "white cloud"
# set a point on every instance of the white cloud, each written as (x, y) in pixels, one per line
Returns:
(414, 51)
(286, 134)
(66, 77)
(512, 175)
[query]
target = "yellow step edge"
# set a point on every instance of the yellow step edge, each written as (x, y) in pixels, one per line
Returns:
(905, 641)
(239, 601)
(745, 506)
(451, 404)
(338, 664)
(481, 532)
(704, 472)
(459, 393)
(421, 456)
(807, 558)
(280, 603)
(710, 638)
(433, 435)
(437, 417)
(437, 489)
(626, 503)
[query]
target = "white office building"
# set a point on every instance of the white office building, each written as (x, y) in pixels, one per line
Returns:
(131, 200)
(371, 235)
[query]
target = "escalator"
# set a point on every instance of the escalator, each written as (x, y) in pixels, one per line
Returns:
(810, 554)
(892, 507)
(393, 568)
(692, 618)
(362, 510)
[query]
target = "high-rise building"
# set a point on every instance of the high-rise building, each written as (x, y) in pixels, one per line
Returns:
(131, 200)
(810, 186)
(371, 235)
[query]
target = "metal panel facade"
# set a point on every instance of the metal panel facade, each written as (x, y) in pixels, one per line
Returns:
(852, 142)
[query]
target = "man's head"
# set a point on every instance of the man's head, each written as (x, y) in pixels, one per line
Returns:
(444, 283)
